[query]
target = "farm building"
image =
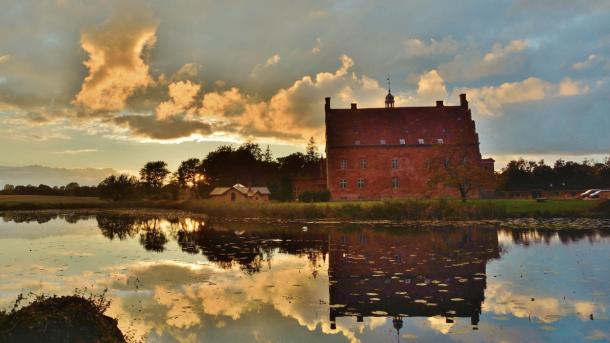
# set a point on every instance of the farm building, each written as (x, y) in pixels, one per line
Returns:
(240, 193)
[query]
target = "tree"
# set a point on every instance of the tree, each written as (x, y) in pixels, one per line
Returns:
(117, 188)
(8, 189)
(153, 174)
(268, 157)
(456, 166)
(188, 173)
(311, 151)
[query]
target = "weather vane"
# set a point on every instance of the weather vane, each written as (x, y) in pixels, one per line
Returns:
(388, 82)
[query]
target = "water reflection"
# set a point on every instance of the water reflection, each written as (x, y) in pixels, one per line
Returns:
(411, 274)
(173, 277)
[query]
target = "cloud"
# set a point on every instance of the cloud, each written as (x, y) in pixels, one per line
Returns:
(145, 126)
(295, 112)
(591, 61)
(187, 71)
(471, 65)
(75, 151)
(271, 61)
(4, 58)
(317, 47)
(415, 47)
(490, 100)
(116, 64)
(52, 176)
(431, 86)
(182, 94)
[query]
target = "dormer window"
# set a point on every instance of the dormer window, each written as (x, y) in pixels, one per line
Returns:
(402, 141)
(440, 141)
(420, 141)
(382, 141)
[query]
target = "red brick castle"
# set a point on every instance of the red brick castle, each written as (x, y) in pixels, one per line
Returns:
(376, 153)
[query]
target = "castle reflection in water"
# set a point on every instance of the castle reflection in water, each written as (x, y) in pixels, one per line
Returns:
(413, 273)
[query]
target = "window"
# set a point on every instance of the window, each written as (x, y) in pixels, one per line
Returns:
(356, 142)
(395, 163)
(420, 141)
(402, 141)
(395, 183)
(343, 183)
(232, 196)
(363, 163)
(440, 141)
(360, 183)
(343, 164)
(382, 141)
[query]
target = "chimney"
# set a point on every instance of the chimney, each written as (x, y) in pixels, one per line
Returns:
(439, 103)
(327, 104)
(463, 101)
(354, 106)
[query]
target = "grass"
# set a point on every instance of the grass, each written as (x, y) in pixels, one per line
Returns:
(75, 318)
(7, 201)
(409, 209)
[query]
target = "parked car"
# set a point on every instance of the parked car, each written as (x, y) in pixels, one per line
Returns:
(588, 193)
(605, 194)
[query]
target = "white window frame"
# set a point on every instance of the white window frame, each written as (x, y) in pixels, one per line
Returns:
(394, 163)
(402, 141)
(382, 141)
(440, 141)
(343, 164)
(421, 141)
(343, 184)
(363, 163)
(360, 183)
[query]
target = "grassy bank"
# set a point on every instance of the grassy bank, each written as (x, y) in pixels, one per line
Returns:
(75, 318)
(354, 210)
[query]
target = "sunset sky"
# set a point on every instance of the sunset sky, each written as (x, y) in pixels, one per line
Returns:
(113, 84)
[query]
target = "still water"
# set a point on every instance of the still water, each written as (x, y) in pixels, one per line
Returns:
(174, 278)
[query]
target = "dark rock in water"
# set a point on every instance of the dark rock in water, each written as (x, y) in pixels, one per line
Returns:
(59, 319)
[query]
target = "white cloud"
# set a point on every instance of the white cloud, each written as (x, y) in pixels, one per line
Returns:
(472, 65)
(116, 65)
(182, 94)
(75, 152)
(489, 100)
(415, 47)
(591, 60)
(271, 61)
(317, 47)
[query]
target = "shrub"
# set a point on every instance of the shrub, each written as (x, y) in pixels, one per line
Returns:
(322, 196)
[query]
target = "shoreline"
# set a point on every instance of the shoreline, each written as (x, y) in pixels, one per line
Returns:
(555, 223)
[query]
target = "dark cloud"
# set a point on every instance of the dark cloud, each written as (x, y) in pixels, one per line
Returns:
(172, 128)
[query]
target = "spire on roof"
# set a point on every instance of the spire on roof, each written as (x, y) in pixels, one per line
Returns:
(389, 99)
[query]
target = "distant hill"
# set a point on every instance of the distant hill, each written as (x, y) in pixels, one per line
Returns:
(35, 175)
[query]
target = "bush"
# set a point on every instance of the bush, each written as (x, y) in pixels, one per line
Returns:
(322, 196)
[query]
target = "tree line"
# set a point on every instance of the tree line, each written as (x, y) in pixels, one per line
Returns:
(522, 175)
(247, 164)
(71, 189)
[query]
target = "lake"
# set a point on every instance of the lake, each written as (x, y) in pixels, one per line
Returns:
(175, 278)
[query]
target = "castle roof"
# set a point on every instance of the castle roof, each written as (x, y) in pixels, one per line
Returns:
(399, 125)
